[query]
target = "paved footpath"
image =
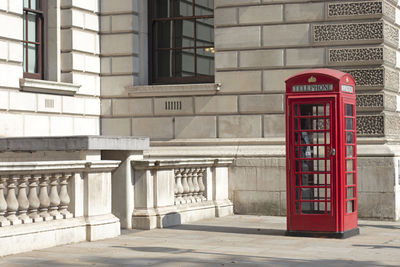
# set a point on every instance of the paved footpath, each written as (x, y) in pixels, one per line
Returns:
(229, 241)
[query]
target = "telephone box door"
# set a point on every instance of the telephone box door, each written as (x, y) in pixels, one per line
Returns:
(312, 154)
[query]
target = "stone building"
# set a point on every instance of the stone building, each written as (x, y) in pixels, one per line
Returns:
(204, 79)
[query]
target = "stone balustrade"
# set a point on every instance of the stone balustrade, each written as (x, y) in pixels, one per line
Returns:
(189, 185)
(58, 190)
(48, 203)
(173, 191)
(31, 198)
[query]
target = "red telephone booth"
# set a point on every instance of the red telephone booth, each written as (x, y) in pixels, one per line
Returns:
(321, 156)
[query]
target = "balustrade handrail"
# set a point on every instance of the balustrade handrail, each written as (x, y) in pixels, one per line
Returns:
(180, 163)
(37, 167)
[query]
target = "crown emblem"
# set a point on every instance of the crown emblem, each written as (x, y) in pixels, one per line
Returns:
(312, 79)
(347, 79)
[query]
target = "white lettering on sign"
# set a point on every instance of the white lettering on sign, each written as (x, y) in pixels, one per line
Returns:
(347, 88)
(312, 88)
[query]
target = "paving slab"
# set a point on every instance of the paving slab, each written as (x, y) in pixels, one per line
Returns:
(239, 240)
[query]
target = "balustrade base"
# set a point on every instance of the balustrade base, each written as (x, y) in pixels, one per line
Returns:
(28, 237)
(151, 218)
(102, 227)
(4, 223)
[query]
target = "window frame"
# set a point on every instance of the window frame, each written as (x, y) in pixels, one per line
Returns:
(152, 47)
(40, 26)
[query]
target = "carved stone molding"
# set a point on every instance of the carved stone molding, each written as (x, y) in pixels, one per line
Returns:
(371, 125)
(364, 8)
(348, 32)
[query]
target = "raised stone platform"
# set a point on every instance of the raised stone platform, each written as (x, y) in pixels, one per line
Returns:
(73, 143)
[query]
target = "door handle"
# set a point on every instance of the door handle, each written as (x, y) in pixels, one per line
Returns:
(331, 151)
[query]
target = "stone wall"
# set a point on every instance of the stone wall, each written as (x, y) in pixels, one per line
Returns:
(258, 44)
(67, 102)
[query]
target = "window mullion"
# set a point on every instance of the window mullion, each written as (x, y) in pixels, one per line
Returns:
(195, 37)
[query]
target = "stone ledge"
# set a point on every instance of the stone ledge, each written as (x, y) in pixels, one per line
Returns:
(180, 163)
(173, 90)
(48, 87)
(73, 143)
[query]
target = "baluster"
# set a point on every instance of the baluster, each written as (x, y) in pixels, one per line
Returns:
(191, 187)
(23, 201)
(185, 186)
(179, 186)
(196, 185)
(64, 197)
(201, 184)
(3, 203)
(54, 198)
(12, 202)
(34, 202)
(175, 186)
(44, 198)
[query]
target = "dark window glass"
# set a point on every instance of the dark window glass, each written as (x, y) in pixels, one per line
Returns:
(33, 39)
(182, 41)
(349, 110)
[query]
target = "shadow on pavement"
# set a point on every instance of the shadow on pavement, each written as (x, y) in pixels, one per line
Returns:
(377, 246)
(394, 227)
(229, 229)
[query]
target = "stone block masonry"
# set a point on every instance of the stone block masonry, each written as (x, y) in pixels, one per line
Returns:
(258, 44)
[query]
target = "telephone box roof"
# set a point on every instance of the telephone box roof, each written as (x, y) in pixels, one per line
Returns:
(329, 72)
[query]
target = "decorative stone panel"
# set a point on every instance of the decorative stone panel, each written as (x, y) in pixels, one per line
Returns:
(389, 11)
(389, 56)
(372, 125)
(353, 32)
(355, 55)
(364, 8)
(370, 101)
(392, 124)
(390, 102)
(391, 34)
(367, 77)
(391, 80)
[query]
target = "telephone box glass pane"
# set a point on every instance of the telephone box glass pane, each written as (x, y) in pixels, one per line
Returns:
(350, 192)
(350, 178)
(350, 206)
(349, 151)
(349, 138)
(349, 165)
(349, 110)
(307, 179)
(312, 110)
(319, 151)
(349, 124)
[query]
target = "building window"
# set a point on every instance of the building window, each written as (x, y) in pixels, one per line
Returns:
(33, 38)
(181, 41)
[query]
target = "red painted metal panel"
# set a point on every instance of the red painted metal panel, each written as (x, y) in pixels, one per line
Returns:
(321, 152)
